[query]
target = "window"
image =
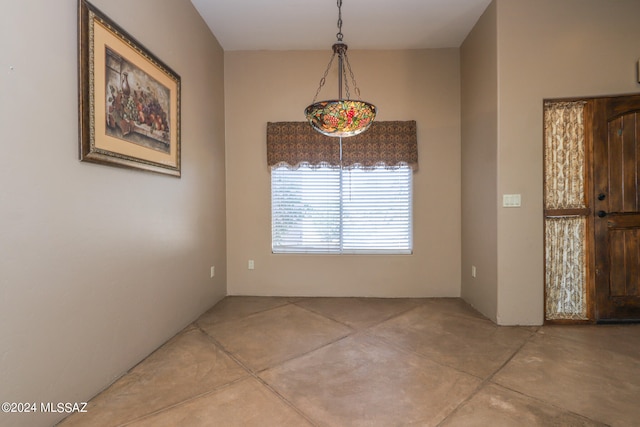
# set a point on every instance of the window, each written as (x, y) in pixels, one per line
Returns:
(329, 209)
(336, 196)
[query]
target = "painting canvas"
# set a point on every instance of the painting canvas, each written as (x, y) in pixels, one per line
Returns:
(129, 99)
(137, 105)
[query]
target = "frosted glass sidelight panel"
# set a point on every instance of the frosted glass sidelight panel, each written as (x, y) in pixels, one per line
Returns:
(565, 268)
(564, 159)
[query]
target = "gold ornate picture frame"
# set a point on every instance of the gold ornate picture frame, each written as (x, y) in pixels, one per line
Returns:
(129, 100)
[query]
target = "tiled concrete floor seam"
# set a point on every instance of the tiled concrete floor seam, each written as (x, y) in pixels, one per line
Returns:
(406, 350)
(285, 400)
(548, 403)
(320, 313)
(340, 338)
(197, 322)
(481, 386)
(182, 403)
(133, 368)
(226, 352)
(141, 361)
(550, 398)
(193, 327)
(251, 371)
(510, 358)
(253, 374)
(487, 380)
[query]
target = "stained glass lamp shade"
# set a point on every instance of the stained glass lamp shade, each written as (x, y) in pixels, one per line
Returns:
(340, 117)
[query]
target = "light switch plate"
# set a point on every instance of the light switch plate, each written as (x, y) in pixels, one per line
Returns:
(511, 200)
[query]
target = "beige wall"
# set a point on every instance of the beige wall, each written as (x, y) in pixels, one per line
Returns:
(421, 85)
(479, 87)
(545, 49)
(548, 49)
(99, 265)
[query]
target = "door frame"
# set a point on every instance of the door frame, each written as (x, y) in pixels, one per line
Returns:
(592, 131)
(586, 212)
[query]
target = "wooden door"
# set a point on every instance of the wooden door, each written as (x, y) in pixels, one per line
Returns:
(616, 173)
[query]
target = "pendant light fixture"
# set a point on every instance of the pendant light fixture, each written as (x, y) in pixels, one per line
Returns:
(342, 117)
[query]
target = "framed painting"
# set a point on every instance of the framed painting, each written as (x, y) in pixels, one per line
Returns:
(129, 100)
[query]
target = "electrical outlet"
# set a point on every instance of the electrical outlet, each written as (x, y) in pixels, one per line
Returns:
(251, 264)
(213, 271)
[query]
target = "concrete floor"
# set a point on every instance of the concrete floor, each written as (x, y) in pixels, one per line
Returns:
(252, 361)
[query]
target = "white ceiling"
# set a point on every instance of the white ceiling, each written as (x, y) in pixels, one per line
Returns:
(366, 24)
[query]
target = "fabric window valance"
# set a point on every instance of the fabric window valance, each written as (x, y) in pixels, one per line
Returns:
(390, 144)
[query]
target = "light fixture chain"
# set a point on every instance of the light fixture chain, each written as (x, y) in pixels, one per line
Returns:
(353, 78)
(339, 35)
(346, 82)
(324, 78)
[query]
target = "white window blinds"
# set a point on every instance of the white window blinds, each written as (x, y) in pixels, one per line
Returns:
(305, 210)
(376, 210)
(328, 209)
